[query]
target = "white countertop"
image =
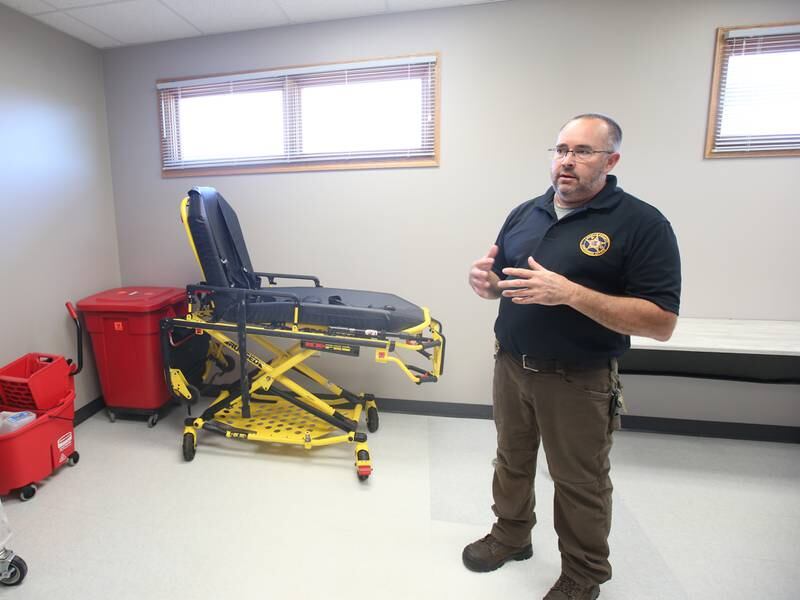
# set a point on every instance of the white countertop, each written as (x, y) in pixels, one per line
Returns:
(739, 336)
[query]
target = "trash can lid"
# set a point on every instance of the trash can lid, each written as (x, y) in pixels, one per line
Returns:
(136, 299)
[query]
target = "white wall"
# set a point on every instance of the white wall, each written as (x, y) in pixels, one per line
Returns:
(58, 230)
(512, 73)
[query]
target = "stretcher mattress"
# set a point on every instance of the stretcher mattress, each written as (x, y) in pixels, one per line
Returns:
(333, 307)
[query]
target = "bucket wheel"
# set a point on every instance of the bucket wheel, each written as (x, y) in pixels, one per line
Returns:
(28, 492)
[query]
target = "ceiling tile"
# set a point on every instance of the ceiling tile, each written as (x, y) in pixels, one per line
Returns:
(29, 7)
(61, 4)
(107, 23)
(136, 21)
(77, 29)
(218, 16)
(304, 11)
(402, 5)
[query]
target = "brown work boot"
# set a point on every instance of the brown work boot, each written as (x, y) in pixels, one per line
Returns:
(488, 554)
(567, 588)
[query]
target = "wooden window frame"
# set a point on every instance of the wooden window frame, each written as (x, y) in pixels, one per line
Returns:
(714, 115)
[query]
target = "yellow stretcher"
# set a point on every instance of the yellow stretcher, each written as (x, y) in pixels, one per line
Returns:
(270, 401)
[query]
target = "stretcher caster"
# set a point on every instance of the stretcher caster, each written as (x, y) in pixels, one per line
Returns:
(152, 420)
(189, 445)
(73, 459)
(111, 416)
(15, 572)
(28, 492)
(373, 421)
(363, 465)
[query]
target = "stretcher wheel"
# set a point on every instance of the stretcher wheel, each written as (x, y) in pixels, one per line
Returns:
(111, 416)
(73, 459)
(28, 492)
(16, 572)
(373, 421)
(189, 446)
(152, 420)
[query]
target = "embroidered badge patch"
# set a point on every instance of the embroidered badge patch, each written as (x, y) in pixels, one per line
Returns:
(595, 244)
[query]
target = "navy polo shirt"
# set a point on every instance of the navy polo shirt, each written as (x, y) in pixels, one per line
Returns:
(615, 244)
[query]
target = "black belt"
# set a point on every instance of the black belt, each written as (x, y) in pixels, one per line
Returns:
(538, 365)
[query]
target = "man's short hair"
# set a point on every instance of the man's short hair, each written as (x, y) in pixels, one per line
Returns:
(614, 130)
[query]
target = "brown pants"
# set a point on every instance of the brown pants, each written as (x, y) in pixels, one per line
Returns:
(569, 410)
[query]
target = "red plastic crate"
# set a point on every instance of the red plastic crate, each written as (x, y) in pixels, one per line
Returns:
(35, 382)
(34, 451)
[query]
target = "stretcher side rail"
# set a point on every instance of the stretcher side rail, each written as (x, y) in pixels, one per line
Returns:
(305, 334)
(380, 342)
(203, 293)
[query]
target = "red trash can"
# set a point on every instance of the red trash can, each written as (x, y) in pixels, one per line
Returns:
(124, 325)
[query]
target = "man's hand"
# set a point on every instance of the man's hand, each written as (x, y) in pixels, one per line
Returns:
(481, 277)
(623, 314)
(536, 285)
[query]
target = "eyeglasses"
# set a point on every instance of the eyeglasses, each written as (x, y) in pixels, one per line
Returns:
(580, 154)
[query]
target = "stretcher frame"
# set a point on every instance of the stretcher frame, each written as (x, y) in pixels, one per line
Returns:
(265, 404)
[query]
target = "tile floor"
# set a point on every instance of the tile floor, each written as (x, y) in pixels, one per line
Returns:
(693, 518)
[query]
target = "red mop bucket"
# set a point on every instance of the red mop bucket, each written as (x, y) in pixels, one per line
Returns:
(43, 385)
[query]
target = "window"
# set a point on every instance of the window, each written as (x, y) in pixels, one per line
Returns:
(755, 92)
(370, 114)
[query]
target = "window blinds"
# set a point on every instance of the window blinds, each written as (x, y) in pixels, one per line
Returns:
(367, 112)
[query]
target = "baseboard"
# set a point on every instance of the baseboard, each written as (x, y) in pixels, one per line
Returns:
(715, 429)
(88, 410)
(460, 410)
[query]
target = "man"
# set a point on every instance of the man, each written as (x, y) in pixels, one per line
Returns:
(578, 270)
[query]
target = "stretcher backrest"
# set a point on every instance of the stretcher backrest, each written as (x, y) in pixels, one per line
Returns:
(218, 240)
